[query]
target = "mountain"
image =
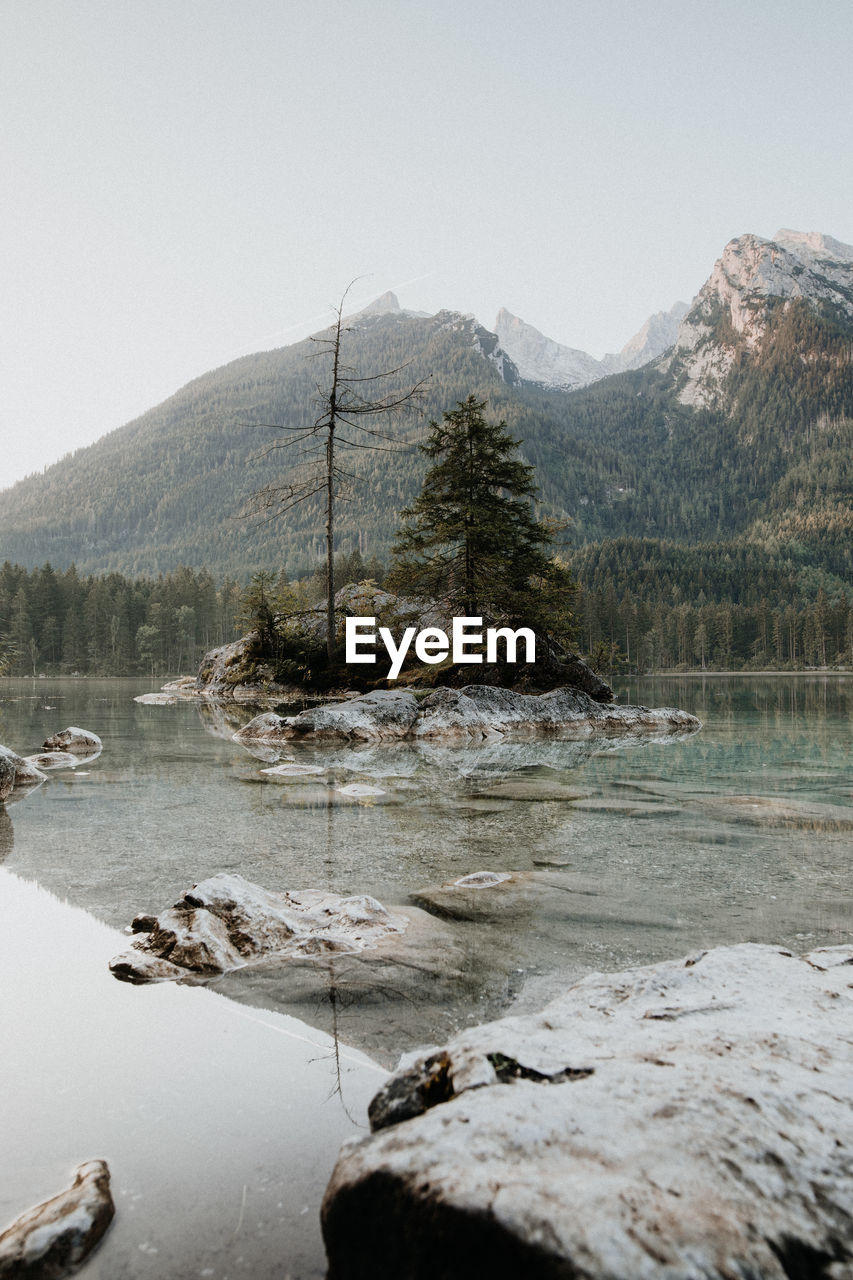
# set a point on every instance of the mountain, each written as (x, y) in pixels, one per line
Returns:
(740, 429)
(176, 485)
(547, 363)
(739, 305)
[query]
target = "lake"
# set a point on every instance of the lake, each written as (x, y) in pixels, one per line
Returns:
(221, 1108)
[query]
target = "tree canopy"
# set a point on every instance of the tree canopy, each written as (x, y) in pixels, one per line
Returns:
(471, 538)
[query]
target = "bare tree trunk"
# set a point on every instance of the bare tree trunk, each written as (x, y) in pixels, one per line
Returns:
(330, 544)
(330, 491)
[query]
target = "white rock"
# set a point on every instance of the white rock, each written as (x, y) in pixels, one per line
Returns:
(693, 1118)
(289, 769)
(56, 1237)
(477, 713)
(7, 776)
(751, 271)
(227, 922)
(47, 760)
(380, 714)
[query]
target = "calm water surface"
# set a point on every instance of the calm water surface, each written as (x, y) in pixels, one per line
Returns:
(740, 832)
(743, 831)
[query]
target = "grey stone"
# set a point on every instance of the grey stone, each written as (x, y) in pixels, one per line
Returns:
(78, 741)
(7, 776)
(56, 1237)
(26, 773)
(691, 1118)
(226, 923)
(477, 713)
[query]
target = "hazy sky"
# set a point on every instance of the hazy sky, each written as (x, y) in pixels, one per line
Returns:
(187, 181)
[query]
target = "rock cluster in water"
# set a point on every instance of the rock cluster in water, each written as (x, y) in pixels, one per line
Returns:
(56, 1237)
(474, 714)
(691, 1118)
(226, 922)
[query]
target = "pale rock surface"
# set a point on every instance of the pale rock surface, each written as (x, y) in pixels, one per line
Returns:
(384, 714)
(692, 1118)
(549, 896)
(223, 672)
(55, 1238)
(45, 761)
(476, 713)
(78, 741)
(290, 769)
(26, 773)
(226, 923)
(750, 272)
(540, 359)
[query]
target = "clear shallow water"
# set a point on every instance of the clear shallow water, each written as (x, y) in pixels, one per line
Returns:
(221, 1120)
(740, 832)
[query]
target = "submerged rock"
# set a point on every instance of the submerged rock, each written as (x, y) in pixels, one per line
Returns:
(78, 741)
(55, 1237)
(474, 714)
(47, 760)
(556, 896)
(691, 1118)
(227, 922)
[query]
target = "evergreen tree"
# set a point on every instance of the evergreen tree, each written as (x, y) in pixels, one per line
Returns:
(470, 538)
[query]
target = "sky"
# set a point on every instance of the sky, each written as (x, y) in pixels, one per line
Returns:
(188, 181)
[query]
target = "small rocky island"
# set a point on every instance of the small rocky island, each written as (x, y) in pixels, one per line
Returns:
(559, 696)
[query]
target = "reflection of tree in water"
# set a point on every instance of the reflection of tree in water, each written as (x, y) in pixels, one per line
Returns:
(780, 699)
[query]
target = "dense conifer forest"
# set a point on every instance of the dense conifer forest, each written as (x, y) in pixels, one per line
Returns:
(642, 606)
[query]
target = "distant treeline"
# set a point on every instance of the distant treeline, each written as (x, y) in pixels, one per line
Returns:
(646, 605)
(61, 623)
(642, 605)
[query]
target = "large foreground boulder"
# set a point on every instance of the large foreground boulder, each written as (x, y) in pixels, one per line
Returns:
(55, 1237)
(689, 1119)
(476, 713)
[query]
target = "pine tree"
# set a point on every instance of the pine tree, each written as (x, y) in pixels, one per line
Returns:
(470, 539)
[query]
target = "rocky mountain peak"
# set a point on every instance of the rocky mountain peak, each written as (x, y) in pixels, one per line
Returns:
(737, 297)
(387, 304)
(814, 245)
(540, 359)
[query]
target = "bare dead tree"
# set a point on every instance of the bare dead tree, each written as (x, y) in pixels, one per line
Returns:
(343, 402)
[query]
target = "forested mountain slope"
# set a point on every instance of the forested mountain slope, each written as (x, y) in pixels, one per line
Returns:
(742, 433)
